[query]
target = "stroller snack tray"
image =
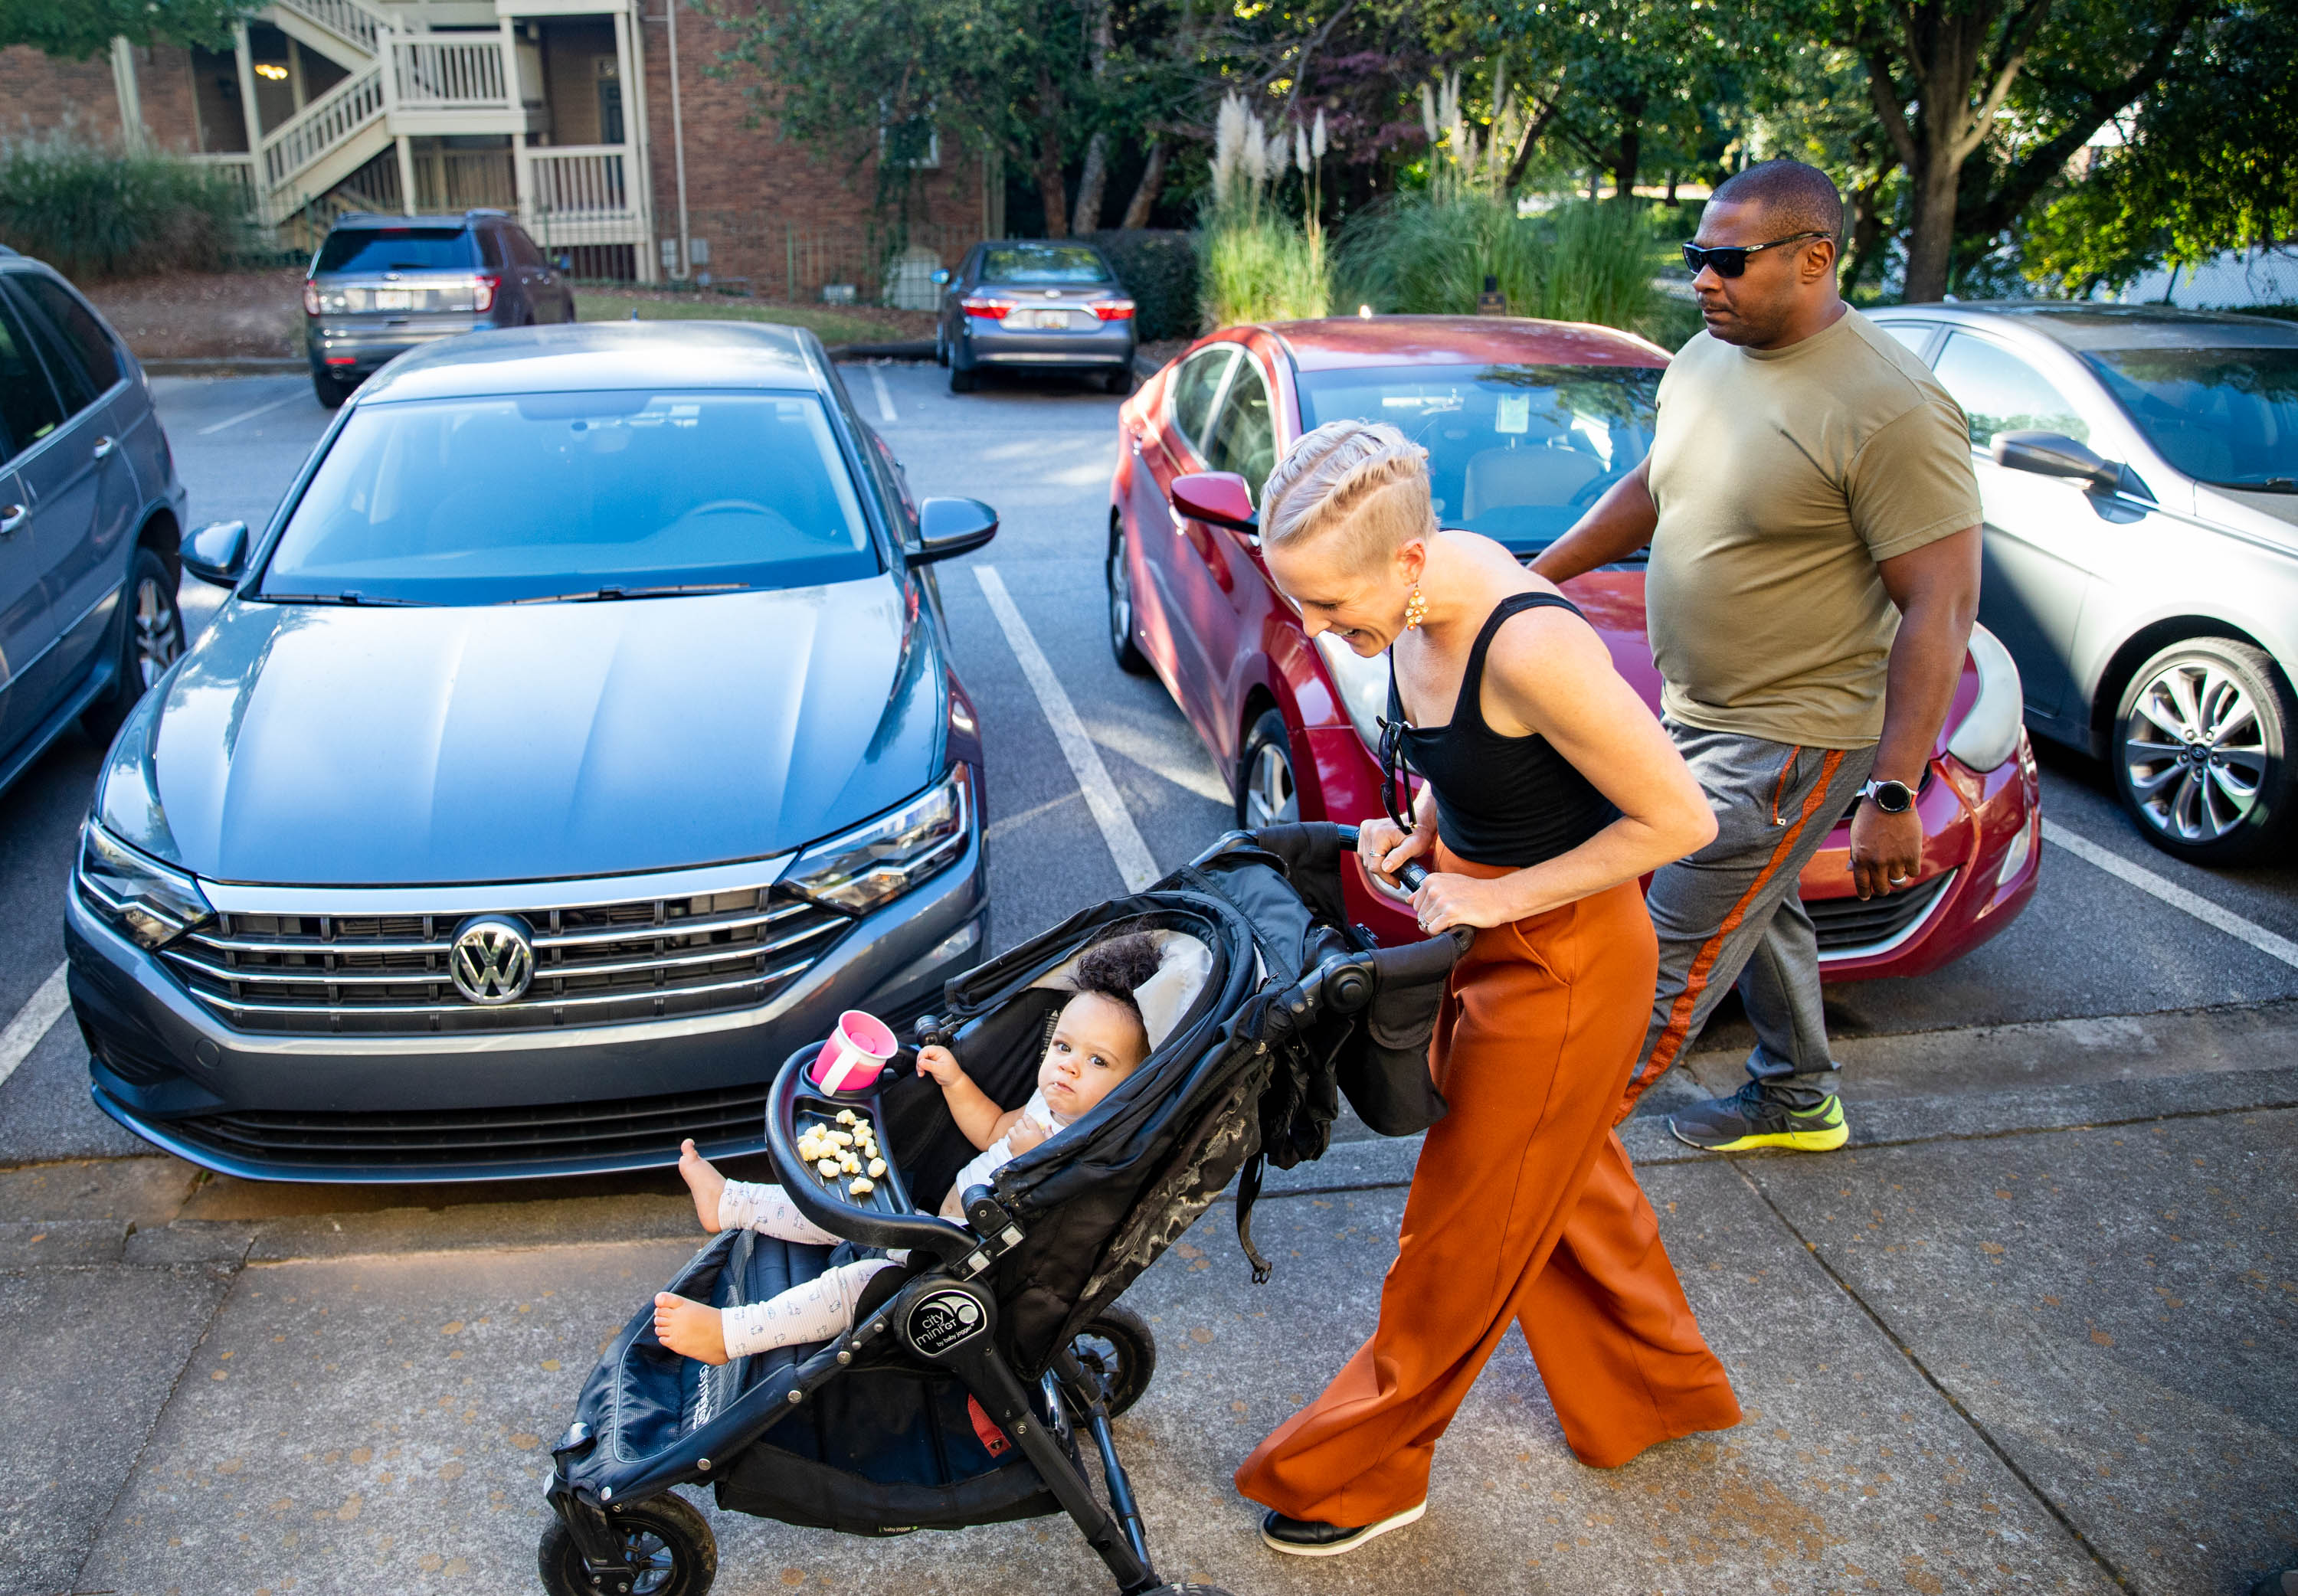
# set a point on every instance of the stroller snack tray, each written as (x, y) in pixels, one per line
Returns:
(816, 1117)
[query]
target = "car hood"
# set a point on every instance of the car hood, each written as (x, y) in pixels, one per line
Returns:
(2272, 515)
(326, 745)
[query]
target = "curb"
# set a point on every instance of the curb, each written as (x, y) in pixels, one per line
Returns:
(921, 349)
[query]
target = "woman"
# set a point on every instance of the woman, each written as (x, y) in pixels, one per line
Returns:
(1550, 789)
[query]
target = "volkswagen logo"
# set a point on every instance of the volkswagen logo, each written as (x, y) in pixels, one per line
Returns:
(491, 960)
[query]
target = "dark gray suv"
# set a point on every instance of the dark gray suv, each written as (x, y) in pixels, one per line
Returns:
(90, 512)
(383, 285)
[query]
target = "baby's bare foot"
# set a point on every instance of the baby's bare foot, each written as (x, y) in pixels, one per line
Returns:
(690, 1329)
(703, 1180)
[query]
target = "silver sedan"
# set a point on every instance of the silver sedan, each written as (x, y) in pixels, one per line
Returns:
(2139, 470)
(1024, 302)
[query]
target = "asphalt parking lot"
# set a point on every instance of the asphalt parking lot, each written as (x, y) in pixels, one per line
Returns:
(2129, 973)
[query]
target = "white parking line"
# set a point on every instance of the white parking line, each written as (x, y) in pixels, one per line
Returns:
(1131, 854)
(886, 411)
(2267, 942)
(46, 1007)
(261, 409)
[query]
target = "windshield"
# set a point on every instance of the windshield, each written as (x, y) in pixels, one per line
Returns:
(1046, 264)
(555, 495)
(2225, 417)
(1516, 452)
(398, 249)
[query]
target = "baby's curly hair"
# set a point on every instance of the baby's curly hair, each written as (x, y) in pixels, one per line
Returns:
(1115, 966)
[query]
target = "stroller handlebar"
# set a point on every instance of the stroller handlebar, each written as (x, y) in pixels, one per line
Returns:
(1410, 875)
(878, 1224)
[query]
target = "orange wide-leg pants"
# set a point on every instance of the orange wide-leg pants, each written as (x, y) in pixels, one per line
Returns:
(1523, 1207)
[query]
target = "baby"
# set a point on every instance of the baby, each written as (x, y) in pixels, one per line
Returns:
(1099, 1039)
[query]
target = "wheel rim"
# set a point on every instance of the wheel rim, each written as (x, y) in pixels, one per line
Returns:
(1269, 799)
(159, 633)
(652, 1559)
(2194, 751)
(1121, 597)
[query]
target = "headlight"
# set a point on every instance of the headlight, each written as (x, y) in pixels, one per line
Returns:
(1363, 685)
(1989, 733)
(154, 904)
(874, 863)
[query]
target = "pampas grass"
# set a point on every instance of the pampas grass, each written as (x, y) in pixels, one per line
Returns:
(1258, 265)
(1429, 252)
(94, 212)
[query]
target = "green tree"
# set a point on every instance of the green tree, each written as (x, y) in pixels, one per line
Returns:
(79, 29)
(2209, 162)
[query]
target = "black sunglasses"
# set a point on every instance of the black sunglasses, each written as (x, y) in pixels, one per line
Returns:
(1730, 260)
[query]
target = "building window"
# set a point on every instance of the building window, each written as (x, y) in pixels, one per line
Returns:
(610, 99)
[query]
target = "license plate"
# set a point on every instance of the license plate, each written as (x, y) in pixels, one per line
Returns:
(1051, 321)
(394, 299)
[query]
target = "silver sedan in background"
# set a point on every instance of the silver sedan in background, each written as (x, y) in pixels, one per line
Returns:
(1024, 302)
(2139, 466)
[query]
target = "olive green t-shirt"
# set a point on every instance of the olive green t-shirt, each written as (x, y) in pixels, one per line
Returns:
(1783, 477)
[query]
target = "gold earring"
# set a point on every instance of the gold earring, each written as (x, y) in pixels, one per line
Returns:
(1416, 608)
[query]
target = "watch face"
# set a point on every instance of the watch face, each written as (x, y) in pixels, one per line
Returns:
(1893, 796)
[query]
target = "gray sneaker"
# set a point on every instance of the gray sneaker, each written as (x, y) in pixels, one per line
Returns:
(1760, 1115)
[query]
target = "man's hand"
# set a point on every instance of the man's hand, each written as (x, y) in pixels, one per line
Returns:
(1885, 849)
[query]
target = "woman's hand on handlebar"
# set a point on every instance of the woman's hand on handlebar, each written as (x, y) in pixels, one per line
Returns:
(1447, 900)
(1386, 849)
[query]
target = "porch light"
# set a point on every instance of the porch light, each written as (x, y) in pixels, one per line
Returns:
(271, 70)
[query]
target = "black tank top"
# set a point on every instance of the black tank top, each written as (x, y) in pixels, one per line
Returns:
(1509, 801)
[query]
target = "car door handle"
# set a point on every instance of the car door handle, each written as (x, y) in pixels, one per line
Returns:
(103, 447)
(11, 516)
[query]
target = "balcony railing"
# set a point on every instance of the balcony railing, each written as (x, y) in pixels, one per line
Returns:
(580, 183)
(350, 20)
(322, 125)
(452, 180)
(435, 74)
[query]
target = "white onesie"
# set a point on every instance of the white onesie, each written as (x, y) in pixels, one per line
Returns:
(823, 1307)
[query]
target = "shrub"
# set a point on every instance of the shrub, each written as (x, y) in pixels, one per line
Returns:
(93, 212)
(1262, 270)
(1158, 269)
(1580, 260)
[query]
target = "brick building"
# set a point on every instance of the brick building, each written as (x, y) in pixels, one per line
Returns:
(595, 121)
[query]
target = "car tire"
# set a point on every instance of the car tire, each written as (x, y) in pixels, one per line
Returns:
(151, 640)
(1117, 574)
(1119, 380)
(1266, 792)
(331, 393)
(962, 381)
(941, 344)
(2201, 751)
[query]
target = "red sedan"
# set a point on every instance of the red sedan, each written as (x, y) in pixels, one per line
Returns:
(1526, 423)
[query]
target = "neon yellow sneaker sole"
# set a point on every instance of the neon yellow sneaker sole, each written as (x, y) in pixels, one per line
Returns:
(1744, 1123)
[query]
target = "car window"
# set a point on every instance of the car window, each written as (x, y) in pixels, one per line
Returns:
(1244, 437)
(523, 498)
(1045, 264)
(491, 250)
(398, 249)
(77, 324)
(1195, 385)
(2225, 417)
(1915, 335)
(523, 252)
(1516, 452)
(73, 384)
(2000, 393)
(29, 411)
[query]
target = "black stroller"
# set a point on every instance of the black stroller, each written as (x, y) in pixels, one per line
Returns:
(959, 1396)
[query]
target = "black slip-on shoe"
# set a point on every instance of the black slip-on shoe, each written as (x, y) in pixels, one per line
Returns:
(1307, 1538)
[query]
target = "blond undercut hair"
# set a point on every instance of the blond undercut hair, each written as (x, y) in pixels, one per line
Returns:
(1363, 480)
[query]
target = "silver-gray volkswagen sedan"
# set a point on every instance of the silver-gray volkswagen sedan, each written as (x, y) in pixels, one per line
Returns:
(2139, 470)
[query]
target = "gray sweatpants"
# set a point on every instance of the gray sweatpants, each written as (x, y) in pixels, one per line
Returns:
(1730, 912)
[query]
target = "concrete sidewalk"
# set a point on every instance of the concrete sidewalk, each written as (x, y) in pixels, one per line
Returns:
(2031, 1331)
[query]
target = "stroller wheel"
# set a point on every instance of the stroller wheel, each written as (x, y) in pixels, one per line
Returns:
(666, 1541)
(1118, 1346)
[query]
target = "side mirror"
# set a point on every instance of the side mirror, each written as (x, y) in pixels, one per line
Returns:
(952, 526)
(1217, 499)
(217, 552)
(941, 279)
(2054, 454)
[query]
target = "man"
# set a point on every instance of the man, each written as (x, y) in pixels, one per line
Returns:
(1814, 525)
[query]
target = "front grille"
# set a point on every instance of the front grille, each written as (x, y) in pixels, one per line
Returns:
(631, 1130)
(1851, 927)
(603, 964)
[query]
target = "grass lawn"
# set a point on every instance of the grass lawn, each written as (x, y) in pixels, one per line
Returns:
(858, 324)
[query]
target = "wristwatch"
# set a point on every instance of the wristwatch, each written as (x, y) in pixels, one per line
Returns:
(1892, 797)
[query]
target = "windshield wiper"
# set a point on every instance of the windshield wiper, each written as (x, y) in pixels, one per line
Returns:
(364, 600)
(607, 595)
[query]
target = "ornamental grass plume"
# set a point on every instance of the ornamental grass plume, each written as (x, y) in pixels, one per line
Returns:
(1258, 265)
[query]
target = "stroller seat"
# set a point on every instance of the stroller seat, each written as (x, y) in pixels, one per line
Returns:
(960, 1392)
